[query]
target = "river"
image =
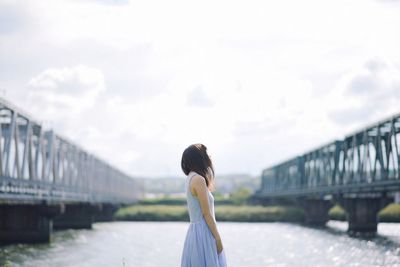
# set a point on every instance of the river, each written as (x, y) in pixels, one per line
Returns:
(151, 244)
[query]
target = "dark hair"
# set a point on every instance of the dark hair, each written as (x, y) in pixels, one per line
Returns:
(195, 158)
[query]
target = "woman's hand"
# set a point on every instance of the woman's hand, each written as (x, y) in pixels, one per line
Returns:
(219, 245)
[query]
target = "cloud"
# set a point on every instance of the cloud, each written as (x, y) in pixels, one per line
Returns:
(72, 101)
(365, 94)
(368, 79)
(69, 81)
(110, 2)
(58, 94)
(13, 17)
(198, 98)
(363, 84)
(259, 85)
(347, 116)
(389, 1)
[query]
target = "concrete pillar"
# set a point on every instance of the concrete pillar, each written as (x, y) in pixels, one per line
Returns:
(316, 211)
(24, 223)
(105, 213)
(76, 216)
(362, 214)
(397, 198)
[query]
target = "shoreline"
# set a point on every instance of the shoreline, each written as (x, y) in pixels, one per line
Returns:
(239, 213)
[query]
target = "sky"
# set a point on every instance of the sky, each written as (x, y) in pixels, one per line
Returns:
(258, 82)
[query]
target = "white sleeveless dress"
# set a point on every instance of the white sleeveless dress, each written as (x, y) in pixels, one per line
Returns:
(200, 248)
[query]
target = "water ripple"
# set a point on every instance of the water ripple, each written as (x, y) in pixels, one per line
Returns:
(151, 244)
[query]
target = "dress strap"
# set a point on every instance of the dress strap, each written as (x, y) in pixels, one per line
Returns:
(191, 176)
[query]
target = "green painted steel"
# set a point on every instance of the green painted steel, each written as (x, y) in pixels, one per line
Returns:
(366, 161)
(39, 165)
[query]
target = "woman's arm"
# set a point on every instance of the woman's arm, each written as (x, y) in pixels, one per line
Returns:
(200, 190)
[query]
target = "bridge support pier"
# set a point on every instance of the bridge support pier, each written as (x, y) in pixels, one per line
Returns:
(362, 213)
(24, 223)
(76, 216)
(106, 213)
(316, 211)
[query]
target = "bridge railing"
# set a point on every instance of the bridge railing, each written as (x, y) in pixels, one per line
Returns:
(41, 165)
(367, 160)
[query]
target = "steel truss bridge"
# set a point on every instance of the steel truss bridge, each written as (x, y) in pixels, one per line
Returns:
(41, 167)
(365, 163)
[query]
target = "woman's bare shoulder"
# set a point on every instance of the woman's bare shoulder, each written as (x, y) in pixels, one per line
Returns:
(198, 180)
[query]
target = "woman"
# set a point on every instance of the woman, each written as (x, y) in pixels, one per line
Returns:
(203, 245)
